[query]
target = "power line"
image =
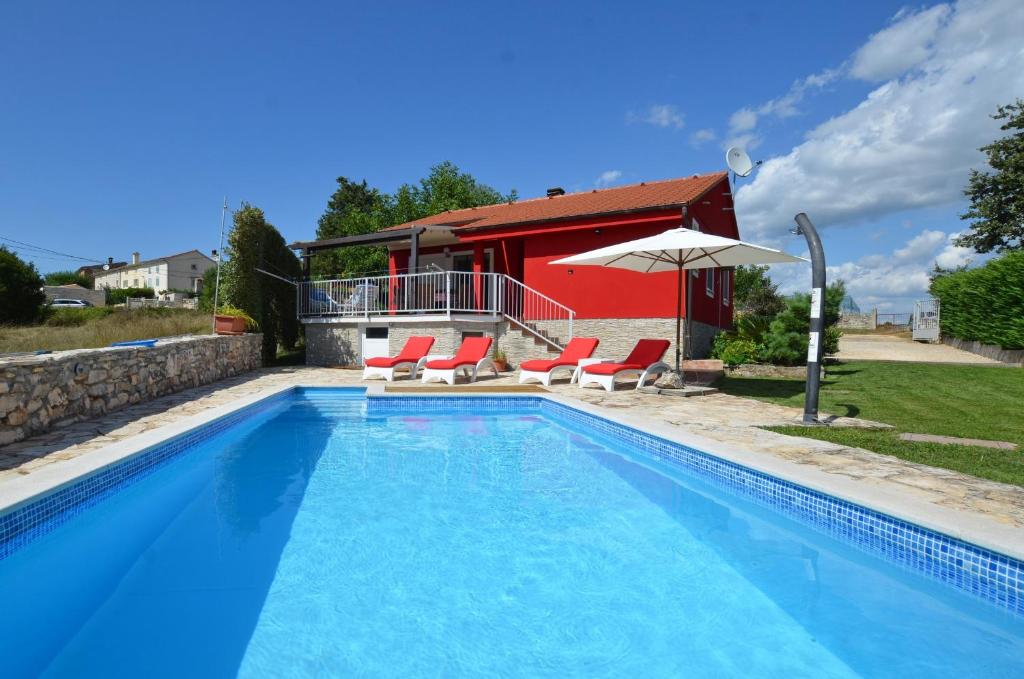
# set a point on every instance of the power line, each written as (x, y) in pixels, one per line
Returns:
(55, 252)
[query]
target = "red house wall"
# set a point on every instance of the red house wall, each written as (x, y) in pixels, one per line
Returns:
(606, 292)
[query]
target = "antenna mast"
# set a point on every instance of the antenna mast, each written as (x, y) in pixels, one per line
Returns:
(220, 257)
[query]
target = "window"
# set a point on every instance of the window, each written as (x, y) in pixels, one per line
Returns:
(709, 282)
(726, 279)
(193, 267)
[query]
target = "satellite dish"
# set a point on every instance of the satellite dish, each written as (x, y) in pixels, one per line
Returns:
(739, 162)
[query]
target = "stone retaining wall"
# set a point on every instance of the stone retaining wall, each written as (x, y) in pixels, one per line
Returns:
(40, 393)
(1011, 356)
(859, 321)
(338, 344)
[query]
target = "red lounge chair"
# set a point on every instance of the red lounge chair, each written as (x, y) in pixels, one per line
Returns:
(470, 358)
(543, 371)
(412, 357)
(644, 360)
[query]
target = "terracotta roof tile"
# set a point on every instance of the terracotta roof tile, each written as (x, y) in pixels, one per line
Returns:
(657, 194)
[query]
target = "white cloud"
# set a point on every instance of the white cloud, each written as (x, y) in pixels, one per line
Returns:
(913, 140)
(743, 120)
(608, 177)
(659, 115)
(703, 136)
(906, 43)
(887, 281)
(953, 256)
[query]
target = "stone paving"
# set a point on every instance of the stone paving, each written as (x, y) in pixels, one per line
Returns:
(729, 419)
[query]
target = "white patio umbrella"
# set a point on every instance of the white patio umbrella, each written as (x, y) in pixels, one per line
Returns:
(676, 250)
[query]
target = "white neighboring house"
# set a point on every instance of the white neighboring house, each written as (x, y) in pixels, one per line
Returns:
(183, 271)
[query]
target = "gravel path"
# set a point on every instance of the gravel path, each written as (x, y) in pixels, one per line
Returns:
(891, 348)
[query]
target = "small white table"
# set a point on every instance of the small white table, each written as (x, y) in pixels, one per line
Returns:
(584, 362)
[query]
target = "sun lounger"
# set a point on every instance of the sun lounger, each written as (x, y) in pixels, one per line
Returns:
(470, 358)
(644, 361)
(412, 357)
(544, 370)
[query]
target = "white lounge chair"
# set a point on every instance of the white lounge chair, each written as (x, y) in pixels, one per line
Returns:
(412, 357)
(544, 370)
(644, 361)
(471, 357)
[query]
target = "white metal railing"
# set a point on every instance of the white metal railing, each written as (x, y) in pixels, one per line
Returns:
(438, 292)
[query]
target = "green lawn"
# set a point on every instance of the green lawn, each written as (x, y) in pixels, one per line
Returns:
(967, 401)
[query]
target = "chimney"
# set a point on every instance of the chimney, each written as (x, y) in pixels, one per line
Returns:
(135, 258)
(556, 191)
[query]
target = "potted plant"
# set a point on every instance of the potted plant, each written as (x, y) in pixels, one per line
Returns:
(500, 360)
(231, 320)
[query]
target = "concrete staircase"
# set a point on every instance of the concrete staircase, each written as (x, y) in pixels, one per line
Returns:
(540, 338)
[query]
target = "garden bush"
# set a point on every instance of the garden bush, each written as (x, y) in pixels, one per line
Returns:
(786, 341)
(119, 295)
(734, 350)
(984, 304)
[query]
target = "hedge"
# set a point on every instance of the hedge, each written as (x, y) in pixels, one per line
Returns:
(984, 304)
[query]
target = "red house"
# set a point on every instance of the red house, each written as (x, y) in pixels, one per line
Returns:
(487, 270)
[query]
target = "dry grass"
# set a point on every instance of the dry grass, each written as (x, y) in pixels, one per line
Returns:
(101, 328)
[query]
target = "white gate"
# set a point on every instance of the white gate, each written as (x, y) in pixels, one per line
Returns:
(926, 320)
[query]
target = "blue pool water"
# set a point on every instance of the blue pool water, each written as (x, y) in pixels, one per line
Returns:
(314, 540)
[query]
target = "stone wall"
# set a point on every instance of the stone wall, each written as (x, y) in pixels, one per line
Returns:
(332, 344)
(854, 320)
(40, 393)
(619, 335)
(1011, 356)
(336, 344)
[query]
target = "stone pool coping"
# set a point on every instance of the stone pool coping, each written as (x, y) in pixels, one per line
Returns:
(962, 525)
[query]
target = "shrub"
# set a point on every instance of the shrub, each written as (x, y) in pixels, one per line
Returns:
(733, 350)
(119, 295)
(786, 342)
(68, 278)
(21, 295)
(984, 304)
(71, 317)
(228, 310)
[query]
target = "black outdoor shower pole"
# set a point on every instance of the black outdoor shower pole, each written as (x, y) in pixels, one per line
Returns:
(816, 338)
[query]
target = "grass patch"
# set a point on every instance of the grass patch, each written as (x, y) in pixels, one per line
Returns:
(998, 465)
(101, 327)
(979, 402)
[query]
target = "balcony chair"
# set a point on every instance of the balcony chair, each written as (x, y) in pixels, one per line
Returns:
(644, 361)
(470, 358)
(412, 357)
(544, 370)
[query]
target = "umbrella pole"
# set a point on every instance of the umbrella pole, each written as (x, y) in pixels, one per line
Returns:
(688, 346)
(679, 311)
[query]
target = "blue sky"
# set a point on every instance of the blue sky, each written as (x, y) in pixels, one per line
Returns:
(123, 125)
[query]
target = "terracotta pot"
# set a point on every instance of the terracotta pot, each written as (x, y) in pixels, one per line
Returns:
(229, 325)
(502, 366)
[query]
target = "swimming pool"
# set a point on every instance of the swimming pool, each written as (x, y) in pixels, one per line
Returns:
(321, 532)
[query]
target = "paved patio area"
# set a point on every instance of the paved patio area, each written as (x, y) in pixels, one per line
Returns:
(728, 419)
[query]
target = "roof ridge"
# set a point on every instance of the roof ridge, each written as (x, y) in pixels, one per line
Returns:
(590, 192)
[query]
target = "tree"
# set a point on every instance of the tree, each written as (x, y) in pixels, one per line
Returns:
(21, 295)
(355, 208)
(786, 341)
(68, 278)
(755, 293)
(445, 188)
(255, 243)
(209, 288)
(997, 198)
